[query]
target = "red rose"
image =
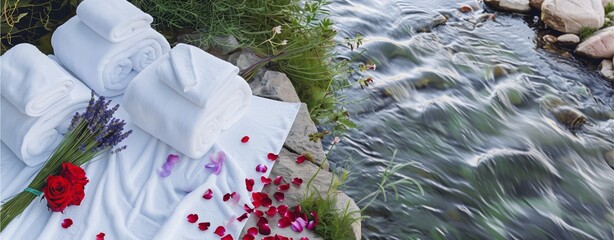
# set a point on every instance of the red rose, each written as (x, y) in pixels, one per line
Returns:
(74, 174)
(78, 194)
(58, 193)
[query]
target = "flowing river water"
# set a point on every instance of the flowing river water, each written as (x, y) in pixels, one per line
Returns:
(506, 137)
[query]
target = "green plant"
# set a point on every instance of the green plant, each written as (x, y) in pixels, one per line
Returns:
(586, 32)
(609, 8)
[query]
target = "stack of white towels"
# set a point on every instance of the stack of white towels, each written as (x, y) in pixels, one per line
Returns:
(107, 44)
(186, 98)
(38, 101)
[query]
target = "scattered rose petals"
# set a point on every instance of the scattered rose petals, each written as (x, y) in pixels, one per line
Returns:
(226, 197)
(304, 238)
(300, 159)
(245, 139)
(259, 213)
(242, 217)
(283, 187)
(265, 180)
(267, 202)
(271, 211)
(220, 231)
(235, 197)
(252, 231)
(192, 218)
(248, 237)
(249, 184)
(277, 180)
(272, 156)
(217, 160)
(279, 196)
(297, 181)
(282, 209)
(227, 237)
(203, 226)
(313, 223)
(284, 222)
(67, 223)
(100, 236)
(261, 168)
(247, 208)
(297, 209)
(208, 194)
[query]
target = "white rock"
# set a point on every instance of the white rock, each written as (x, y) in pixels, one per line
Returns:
(568, 39)
(536, 3)
(570, 16)
(600, 45)
(607, 69)
(274, 85)
(521, 6)
(298, 138)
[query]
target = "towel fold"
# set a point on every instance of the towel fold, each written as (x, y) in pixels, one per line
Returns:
(106, 67)
(196, 74)
(32, 139)
(180, 123)
(115, 20)
(32, 82)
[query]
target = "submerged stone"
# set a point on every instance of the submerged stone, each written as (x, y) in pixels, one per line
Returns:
(568, 116)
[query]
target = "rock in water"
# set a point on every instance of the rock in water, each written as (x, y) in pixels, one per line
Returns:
(549, 38)
(606, 69)
(570, 117)
(568, 39)
(536, 3)
(520, 6)
(600, 45)
(609, 158)
(569, 16)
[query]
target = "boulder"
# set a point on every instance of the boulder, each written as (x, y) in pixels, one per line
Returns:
(609, 158)
(600, 45)
(520, 6)
(568, 39)
(536, 3)
(298, 138)
(226, 44)
(549, 38)
(274, 85)
(606, 68)
(569, 16)
(244, 59)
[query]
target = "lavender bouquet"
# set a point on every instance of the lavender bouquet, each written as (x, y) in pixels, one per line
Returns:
(90, 134)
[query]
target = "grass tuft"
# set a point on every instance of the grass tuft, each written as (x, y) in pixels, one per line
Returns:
(586, 32)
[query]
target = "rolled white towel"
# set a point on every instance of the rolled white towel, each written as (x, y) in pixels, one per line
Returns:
(180, 123)
(115, 20)
(196, 74)
(32, 82)
(106, 67)
(32, 139)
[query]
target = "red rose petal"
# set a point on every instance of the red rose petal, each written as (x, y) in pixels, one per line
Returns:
(283, 187)
(249, 184)
(271, 211)
(279, 196)
(297, 181)
(208, 194)
(265, 180)
(192, 218)
(247, 208)
(227, 237)
(245, 139)
(264, 229)
(203, 226)
(248, 237)
(272, 156)
(259, 213)
(227, 196)
(284, 222)
(304, 238)
(282, 209)
(100, 236)
(277, 180)
(242, 217)
(67, 223)
(220, 231)
(261, 168)
(300, 159)
(253, 231)
(266, 202)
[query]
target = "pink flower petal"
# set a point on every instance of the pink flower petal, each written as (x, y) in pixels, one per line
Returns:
(242, 217)
(227, 237)
(192, 218)
(297, 181)
(261, 168)
(272, 156)
(297, 225)
(100, 236)
(300, 159)
(283, 187)
(67, 223)
(265, 180)
(271, 211)
(203, 226)
(279, 196)
(245, 139)
(235, 197)
(253, 231)
(278, 180)
(208, 194)
(172, 159)
(284, 222)
(249, 184)
(220, 231)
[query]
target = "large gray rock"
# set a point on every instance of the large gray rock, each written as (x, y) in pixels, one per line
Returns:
(274, 85)
(609, 158)
(606, 69)
(286, 167)
(600, 45)
(570, 16)
(244, 59)
(568, 39)
(520, 6)
(226, 44)
(298, 138)
(536, 3)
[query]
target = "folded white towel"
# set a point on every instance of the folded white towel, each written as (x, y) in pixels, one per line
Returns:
(32, 82)
(32, 139)
(115, 20)
(106, 67)
(196, 74)
(182, 124)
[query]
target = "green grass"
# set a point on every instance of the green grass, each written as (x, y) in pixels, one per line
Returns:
(609, 8)
(586, 32)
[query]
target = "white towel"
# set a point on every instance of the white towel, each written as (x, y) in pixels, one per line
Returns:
(32, 139)
(32, 82)
(196, 74)
(115, 20)
(106, 67)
